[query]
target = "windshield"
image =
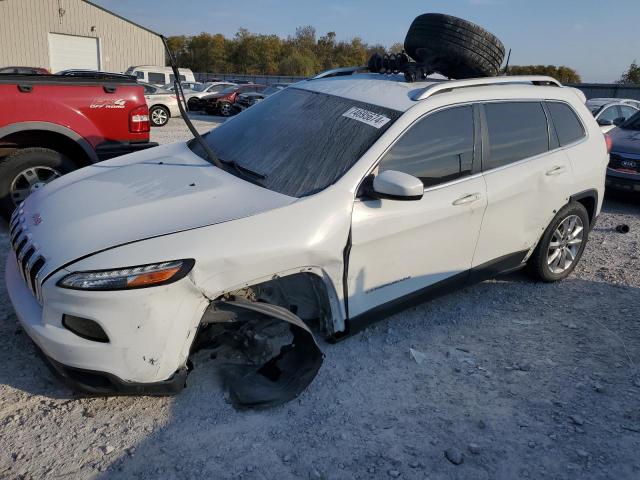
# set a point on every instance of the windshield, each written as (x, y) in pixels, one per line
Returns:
(633, 123)
(199, 87)
(300, 142)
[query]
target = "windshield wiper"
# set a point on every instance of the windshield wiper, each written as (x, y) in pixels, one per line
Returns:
(244, 172)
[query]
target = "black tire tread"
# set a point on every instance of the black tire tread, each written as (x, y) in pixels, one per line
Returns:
(453, 46)
(14, 163)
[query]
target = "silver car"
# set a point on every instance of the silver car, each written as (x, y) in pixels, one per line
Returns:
(162, 104)
(611, 112)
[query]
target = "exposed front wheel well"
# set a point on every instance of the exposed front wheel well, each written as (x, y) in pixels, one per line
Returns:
(305, 294)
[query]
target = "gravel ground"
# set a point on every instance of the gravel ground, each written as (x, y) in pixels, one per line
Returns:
(512, 379)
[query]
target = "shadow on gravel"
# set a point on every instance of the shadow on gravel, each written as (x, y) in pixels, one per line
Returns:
(522, 379)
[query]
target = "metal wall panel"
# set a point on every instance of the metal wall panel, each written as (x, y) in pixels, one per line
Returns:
(26, 24)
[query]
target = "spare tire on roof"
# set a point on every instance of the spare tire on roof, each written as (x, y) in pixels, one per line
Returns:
(453, 47)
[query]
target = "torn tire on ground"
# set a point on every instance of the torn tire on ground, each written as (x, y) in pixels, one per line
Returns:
(280, 378)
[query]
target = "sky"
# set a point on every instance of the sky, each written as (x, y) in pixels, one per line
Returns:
(598, 38)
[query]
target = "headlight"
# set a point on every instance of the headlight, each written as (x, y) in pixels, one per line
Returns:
(128, 278)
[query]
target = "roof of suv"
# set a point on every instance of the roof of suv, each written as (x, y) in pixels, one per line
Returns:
(393, 91)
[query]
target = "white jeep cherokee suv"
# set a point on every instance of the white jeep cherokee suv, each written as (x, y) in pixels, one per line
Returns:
(339, 199)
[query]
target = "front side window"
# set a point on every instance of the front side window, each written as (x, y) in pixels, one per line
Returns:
(299, 142)
(140, 75)
(566, 122)
(157, 78)
(436, 149)
(517, 130)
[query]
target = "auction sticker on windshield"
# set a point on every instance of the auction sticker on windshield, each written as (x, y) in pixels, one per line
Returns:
(365, 116)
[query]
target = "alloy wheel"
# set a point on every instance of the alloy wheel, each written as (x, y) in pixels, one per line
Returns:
(159, 116)
(565, 244)
(225, 109)
(30, 180)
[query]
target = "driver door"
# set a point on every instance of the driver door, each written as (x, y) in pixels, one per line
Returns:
(400, 247)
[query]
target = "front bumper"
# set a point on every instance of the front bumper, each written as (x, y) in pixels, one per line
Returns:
(150, 333)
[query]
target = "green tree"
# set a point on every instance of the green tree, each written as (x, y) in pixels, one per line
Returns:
(632, 75)
(562, 73)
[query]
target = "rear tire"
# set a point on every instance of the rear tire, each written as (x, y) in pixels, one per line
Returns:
(27, 170)
(454, 47)
(561, 245)
(159, 116)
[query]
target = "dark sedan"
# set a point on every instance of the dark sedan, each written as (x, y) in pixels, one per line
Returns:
(245, 100)
(623, 172)
(222, 103)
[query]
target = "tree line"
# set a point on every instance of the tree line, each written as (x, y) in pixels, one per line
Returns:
(305, 54)
(302, 54)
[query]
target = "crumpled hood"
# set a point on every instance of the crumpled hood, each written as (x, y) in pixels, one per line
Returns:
(625, 141)
(146, 194)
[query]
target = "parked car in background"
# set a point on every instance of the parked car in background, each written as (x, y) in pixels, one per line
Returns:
(162, 104)
(245, 100)
(53, 124)
(193, 97)
(623, 172)
(222, 103)
(159, 75)
(186, 86)
(610, 112)
(24, 70)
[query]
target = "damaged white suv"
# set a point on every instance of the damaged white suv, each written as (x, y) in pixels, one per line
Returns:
(333, 202)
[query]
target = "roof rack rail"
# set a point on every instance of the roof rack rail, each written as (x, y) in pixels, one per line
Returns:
(339, 72)
(478, 82)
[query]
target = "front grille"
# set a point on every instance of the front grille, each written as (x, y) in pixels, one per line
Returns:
(624, 163)
(30, 260)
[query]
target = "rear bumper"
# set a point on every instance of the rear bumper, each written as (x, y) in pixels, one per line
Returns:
(622, 181)
(116, 149)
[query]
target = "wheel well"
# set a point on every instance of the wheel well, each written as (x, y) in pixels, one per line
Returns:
(589, 202)
(45, 139)
(304, 294)
(160, 106)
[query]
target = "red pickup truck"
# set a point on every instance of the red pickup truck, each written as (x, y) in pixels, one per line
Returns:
(51, 125)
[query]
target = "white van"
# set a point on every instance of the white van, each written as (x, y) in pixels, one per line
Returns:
(159, 75)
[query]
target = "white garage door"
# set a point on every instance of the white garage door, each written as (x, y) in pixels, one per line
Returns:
(70, 51)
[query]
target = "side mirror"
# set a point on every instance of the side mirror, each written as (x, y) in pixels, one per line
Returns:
(604, 123)
(618, 121)
(394, 185)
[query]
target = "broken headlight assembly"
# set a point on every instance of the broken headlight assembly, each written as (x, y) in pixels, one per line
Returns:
(142, 276)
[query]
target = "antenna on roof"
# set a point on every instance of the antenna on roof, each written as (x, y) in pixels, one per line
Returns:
(506, 65)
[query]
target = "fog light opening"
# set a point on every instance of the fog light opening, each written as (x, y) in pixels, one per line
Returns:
(85, 328)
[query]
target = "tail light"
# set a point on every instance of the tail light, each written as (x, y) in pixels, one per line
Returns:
(139, 120)
(609, 142)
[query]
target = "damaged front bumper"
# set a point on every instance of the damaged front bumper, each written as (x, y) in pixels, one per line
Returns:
(150, 335)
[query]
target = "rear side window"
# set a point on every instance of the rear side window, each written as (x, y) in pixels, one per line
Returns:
(568, 126)
(437, 149)
(517, 130)
(158, 78)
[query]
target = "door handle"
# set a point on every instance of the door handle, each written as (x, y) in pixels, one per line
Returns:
(467, 199)
(557, 170)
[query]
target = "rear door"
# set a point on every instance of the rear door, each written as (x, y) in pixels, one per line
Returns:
(528, 177)
(401, 247)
